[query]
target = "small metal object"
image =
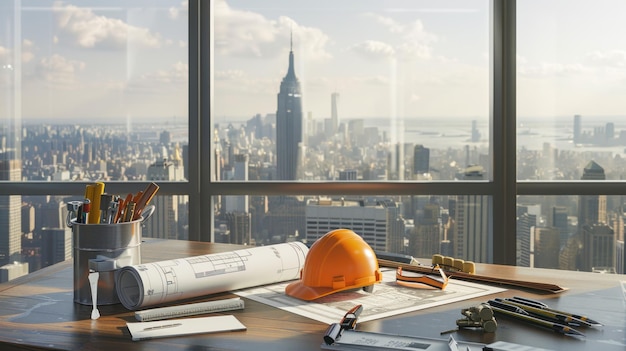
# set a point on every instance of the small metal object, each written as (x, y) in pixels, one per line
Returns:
(479, 317)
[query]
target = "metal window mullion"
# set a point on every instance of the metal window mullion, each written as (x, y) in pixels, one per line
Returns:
(502, 131)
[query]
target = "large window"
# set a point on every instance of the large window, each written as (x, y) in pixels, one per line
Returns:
(570, 129)
(426, 126)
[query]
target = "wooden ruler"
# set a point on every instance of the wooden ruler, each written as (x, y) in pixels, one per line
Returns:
(545, 287)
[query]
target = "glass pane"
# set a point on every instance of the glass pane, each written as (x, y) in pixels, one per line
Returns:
(359, 90)
(582, 233)
(96, 92)
(90, 91)
(570, 87)
(420, 226)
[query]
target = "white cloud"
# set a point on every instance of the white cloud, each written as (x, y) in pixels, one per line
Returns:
(551, 69)
(416, 41)
(159, 81)
(249, 34)
(615, 58)
(229, 74)
(89, 30)
(176, 12)
(59, 71)
(27, 50)
(373, 49)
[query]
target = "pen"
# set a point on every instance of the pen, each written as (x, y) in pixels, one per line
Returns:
(349, 319)
(511, 311)
(105, 202)
(156, 327)
(546, 313)
(145, 198)
(583, 319)
(85, 209)
(129, 211)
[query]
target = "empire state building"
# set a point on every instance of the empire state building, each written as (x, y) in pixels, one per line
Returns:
(288, 124)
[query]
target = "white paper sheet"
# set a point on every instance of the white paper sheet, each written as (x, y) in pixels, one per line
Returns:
(154, 283)
(187, 326)
(388, 299)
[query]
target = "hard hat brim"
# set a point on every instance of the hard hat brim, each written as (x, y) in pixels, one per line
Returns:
(307, 293)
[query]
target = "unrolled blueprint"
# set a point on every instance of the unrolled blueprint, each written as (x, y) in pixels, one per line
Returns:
(165, 281)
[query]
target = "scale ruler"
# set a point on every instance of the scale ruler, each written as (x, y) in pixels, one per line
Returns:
(361, 340)
(153, 314)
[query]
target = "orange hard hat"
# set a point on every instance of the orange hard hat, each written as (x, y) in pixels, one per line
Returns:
(340, 260)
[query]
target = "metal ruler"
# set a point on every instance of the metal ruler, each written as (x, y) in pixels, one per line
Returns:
(362, 340)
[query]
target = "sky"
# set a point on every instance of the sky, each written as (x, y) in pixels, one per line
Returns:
(394, 59)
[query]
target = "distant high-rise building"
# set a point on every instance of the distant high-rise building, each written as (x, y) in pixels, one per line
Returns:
(376, 222)
(592, 208)
(559, 220)
(10, 212)
(334, 114)
(547, 246)
(288, 124)
(421, 159)
(164, 222)
(475, 132)
(577, 129)
(596, 236)
(349, 174)
(472, 239)
(238, 203)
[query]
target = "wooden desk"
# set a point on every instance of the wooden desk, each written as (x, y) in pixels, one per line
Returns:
(38, 312)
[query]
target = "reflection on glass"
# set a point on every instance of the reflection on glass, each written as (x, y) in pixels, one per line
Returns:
(420, 226)
(402, 95)
(583, 233)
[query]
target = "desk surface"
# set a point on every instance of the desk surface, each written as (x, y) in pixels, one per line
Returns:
(38, 312)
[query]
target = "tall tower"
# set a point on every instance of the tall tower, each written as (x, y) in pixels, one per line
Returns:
(288, 124)
(598, 239)
(10, 129)
(10, 213)
(473, 237)
(577, 129)
(334, 115)
(592, 208)
(164, 222)
(421, 159)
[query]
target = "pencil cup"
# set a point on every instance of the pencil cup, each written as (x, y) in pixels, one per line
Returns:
(104, 248)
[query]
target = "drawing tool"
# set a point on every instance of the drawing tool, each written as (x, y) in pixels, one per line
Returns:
(545, 287)
(545, 313)
(129, 211)
(518, 313)
(538, 304)
(413, 279)
(145, 198)
(121, 207)
(93, 193)
(163, 326)
(85, 210)
(105, 202)
(73, 209)
(191, 309)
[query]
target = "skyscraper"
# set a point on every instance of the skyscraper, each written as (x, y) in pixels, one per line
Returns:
(334, 115)
(473, 237)
(421, 159)
(577, 130)
(288, 124)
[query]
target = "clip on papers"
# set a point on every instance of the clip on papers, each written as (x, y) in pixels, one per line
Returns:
(416, 280)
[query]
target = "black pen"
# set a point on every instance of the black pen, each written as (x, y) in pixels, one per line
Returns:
(500, 307)
(583, 319)
(156, 327)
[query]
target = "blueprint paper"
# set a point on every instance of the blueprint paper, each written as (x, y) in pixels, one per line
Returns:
(172, 280)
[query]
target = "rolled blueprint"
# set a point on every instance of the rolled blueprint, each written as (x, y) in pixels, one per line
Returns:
(165, 281)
